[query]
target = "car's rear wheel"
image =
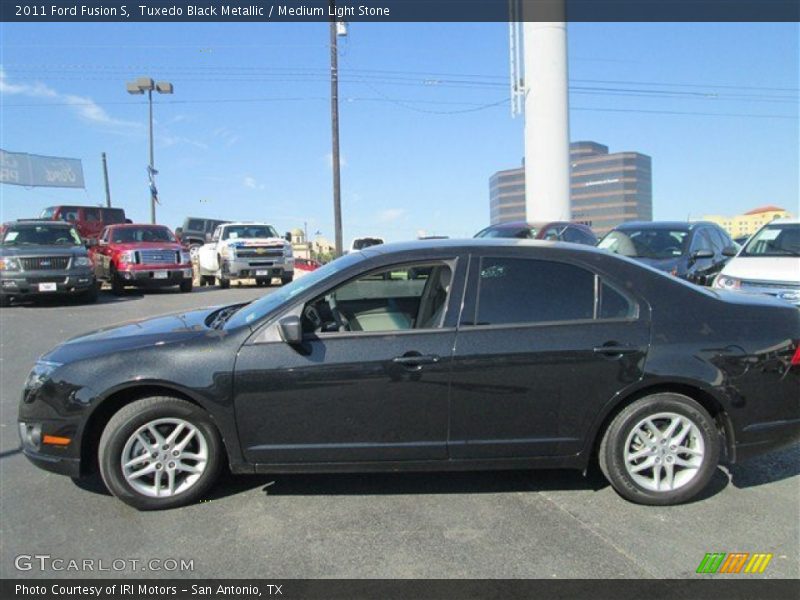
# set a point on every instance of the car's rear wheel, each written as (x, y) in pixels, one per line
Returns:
(660, 450)
(160, 452)
(186, 286)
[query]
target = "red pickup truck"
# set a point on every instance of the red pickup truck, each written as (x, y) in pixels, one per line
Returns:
(141, 256)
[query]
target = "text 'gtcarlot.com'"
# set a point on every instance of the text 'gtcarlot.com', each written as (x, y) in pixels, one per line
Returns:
(47, 562)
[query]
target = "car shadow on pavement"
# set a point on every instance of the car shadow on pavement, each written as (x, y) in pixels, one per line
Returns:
(775, 466)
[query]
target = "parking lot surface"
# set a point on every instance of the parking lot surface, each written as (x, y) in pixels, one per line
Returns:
(516, 524)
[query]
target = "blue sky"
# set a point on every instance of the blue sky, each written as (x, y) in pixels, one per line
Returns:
(424, 117)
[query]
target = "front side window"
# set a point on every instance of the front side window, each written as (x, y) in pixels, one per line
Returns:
(399, 298)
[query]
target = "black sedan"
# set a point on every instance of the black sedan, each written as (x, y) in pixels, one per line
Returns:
(433, 355)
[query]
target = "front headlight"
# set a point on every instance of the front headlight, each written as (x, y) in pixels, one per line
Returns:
(127, 257)
(40, 373)
(9, 264)
(81, 261)
(726, 282)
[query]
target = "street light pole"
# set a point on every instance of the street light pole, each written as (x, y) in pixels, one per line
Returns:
(337, 192)
(140, 86)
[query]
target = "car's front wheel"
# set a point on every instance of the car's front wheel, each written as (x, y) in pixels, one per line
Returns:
(160, 452)
(660, 450)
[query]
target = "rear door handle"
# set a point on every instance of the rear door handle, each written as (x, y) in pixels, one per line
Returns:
(614, 350)
(416, 360)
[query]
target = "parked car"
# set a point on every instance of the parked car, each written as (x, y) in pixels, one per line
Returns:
(505, 354)
(245, 250)
(364, 242)
(768, 264)
(303, 266)
(88, 220)
(143, 256)
(694, 251)
(196, 231)
(44, 258)
(557, 231)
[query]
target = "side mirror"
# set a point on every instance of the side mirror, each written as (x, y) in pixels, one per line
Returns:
(291, 330)
(701, 254)
(288, 236)
(729, 251)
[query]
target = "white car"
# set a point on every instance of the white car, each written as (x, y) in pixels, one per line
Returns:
(769, 263)
(245, 251)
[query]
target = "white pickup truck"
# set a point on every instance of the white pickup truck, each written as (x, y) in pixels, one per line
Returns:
(245, 250)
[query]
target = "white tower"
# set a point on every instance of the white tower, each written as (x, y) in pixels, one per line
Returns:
(547, 181)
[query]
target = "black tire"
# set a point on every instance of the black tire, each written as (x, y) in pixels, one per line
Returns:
(186, 286)
(117, 285)
(90, 295)
(287, 278)
(618, 434)
(135, 415)
(5, 301)
(224, 283)
(262, 281)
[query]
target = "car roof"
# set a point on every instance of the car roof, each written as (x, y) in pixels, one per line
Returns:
(36, 222)
(674, 225)
(129, 225)
(477, 244)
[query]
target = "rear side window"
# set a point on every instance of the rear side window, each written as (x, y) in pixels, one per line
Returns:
(613, 304)
(519, 290)
(113, 215)
(195, 225)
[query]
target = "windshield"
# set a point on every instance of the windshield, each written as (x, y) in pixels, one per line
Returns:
(249, 231)
(646, 243)
(128, 235)
(45, 235)
(779, 239)
(523, 233)
(258, 309)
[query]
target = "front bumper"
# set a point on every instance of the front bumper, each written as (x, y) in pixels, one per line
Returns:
(41, 283)
(246, 268)
(787, 292)
(152, 276)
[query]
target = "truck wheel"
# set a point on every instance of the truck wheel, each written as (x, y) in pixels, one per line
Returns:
(209, 279)
(90, 295)
(287, 278)
(262, 281)
(660, 450)
(160, 452)
(5, 300)
(117, 285)
(186, 286)
(224, 283)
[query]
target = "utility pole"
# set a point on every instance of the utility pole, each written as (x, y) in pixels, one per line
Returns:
(105, 178)
(337, 192)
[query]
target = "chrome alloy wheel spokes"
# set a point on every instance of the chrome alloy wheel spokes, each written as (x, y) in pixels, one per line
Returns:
(664, 452)
(164, 457)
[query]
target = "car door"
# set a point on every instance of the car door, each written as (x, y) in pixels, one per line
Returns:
(542, 346)
(370, 381)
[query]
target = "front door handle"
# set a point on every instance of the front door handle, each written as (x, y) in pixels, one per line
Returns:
(415, 361)
(614, 349)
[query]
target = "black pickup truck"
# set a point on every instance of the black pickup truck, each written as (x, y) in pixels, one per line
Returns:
(196, 231)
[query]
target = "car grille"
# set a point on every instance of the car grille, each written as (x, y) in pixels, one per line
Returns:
(44, 263)
(158, 257)
(259, 252)
(770, 285)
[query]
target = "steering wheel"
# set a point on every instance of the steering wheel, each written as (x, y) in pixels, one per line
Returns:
(312, 314)
(342, 324)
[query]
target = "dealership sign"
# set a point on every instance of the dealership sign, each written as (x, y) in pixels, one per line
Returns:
(32, 170)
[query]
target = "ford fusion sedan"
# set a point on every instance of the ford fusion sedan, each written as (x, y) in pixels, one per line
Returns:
(768, 264)
(694, 251)
(436, 355)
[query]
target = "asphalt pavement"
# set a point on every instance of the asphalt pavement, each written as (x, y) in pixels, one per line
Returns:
(515, 524)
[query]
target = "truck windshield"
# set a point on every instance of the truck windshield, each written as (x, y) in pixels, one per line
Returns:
(130, 235)
(44, 235)
(249, 231)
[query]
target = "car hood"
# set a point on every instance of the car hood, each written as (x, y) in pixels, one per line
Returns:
(146, 246)
(765, 268)
(173, 328)
(40, 250)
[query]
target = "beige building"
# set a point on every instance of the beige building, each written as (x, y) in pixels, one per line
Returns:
(750, 222)
(318, 247)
